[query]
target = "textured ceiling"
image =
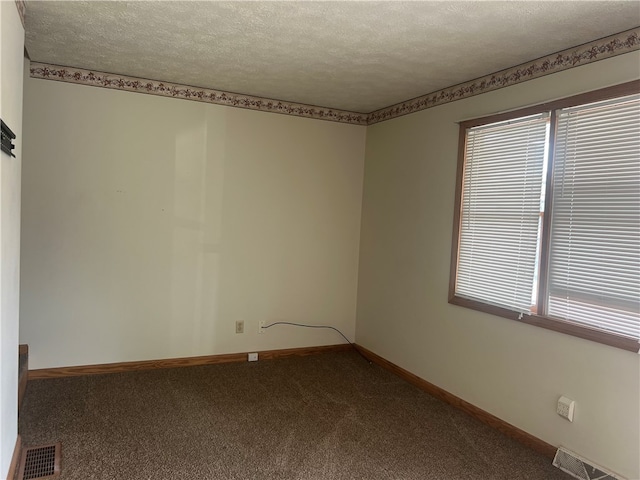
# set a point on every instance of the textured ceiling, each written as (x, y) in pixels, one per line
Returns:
(357, 56)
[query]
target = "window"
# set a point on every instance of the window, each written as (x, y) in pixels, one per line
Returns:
(547, 227)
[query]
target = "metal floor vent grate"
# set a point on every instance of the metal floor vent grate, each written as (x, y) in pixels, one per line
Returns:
(40, 462)
(580, 468)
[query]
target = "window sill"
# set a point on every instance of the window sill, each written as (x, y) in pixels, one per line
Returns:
(565, 327)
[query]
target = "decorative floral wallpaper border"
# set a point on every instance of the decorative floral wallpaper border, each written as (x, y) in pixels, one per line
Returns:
(589, 52)
(597, 50)
(154, 87)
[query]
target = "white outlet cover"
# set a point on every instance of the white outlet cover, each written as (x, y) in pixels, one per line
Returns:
(565, 408)
(253, 357)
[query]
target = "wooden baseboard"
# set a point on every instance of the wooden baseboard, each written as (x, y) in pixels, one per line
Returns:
(15, 459)
(485, 417)
(23, 349)
(179, 362)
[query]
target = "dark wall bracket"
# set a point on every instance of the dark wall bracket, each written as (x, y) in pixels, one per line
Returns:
(7, 139)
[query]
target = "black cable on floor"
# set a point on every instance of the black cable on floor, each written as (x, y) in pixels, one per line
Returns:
(320, 326)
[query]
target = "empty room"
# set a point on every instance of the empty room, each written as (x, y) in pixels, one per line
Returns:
(320, 240)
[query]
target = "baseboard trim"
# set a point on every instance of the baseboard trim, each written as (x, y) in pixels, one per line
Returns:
(13, 466)
(81, 370)
(521, 436)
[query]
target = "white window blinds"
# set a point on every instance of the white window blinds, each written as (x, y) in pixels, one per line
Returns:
(594, 270)
(500, 212)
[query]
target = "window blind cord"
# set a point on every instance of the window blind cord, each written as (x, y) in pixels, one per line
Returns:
(353, 345)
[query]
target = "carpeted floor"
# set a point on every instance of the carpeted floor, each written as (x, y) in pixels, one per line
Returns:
(330, 416)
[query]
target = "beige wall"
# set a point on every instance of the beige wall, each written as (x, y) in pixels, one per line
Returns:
(11, 69)
(511, 370)
(151, 225)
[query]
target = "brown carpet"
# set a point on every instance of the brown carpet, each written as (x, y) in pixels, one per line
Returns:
(330, 416)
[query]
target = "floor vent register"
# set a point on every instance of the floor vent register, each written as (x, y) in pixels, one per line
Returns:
(580, 468)
(40, 462)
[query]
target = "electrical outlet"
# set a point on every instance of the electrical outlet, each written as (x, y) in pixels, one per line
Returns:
(261, 326)
(565, 408)
(253, 357)
(239, 326)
